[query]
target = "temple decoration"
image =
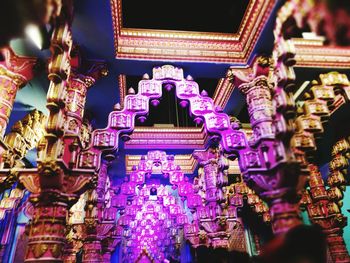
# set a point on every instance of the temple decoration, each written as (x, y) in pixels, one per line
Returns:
(163, 138)
(254, 157)
(99, 223)
(338, 170)
(121, 122)
(15, 72)
(336, 181)
(157, 218)
(46, 183)
(314, 51)
(80, 209)
(9, 206)
(218, 221)
(54, 185)
(75, 229)
(325, 212)
(187, 163)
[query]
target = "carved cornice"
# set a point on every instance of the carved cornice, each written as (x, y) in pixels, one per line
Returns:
(122, 88)
(223, 92)
(186, 162)
(314, 54)
(166, 138)
(191, 46)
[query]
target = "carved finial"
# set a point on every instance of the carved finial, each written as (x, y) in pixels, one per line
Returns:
(314, 82)
(189, 77)
(117, 106)
(263, 61)
(235, 123)
(145, 76)
(131, 90)
(230, 75)
(218, 109)
(204, 93)
(27, 120)
(18, 127)
(36, 115)
(88, 81)
(104, 71)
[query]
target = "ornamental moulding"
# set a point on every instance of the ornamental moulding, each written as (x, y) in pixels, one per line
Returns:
(191, 46)
(186, 162)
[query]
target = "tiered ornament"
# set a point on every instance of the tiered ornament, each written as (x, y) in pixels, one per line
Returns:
(152, 215)
(24, 136)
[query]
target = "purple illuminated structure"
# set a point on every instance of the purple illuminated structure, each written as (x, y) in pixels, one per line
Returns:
(155, 219)
(214, 222)
(153, 215)
(260, 158)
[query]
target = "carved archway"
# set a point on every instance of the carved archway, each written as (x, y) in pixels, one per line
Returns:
(201, 107)
(258, 157)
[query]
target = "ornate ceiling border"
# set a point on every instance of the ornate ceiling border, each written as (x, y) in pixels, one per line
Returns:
(146, 44)
(186, 161)
(314, 54)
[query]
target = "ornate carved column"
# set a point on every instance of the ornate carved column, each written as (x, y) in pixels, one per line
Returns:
(15, 72)
(97, 222)
(24, 136)
(323, 206)
(218, 216)
(215, 176)
(75, 230)
(48, 227)
(56, 185)
(269, 166)
(338, 168)
(324, 212)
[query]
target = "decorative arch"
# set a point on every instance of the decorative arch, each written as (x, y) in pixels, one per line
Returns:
(201, 107)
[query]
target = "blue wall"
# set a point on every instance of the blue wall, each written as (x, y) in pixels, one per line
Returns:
(345, 210)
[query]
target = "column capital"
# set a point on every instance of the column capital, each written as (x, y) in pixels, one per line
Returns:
(260, 66)
(19, 69)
